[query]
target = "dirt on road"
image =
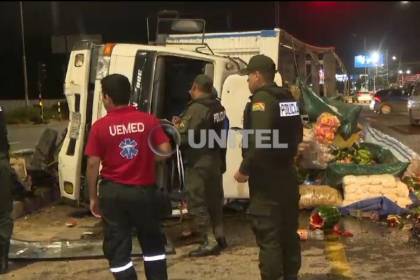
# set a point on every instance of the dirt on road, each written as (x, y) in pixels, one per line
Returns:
(238, 262)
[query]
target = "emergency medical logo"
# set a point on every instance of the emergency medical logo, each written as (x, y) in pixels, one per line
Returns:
(128, 148)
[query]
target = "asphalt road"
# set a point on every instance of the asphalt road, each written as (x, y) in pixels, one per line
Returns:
(396, 125)
(26, 136)
(374, 252)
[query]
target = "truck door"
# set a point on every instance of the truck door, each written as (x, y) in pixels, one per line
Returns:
(235, 95)
(78, 89)
(142, 80)
(173, 77)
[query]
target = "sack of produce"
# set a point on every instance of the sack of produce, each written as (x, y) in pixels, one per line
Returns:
(347, 114)
(365, 159)
(350, 118)
(314, 105)
(359, 188)
(326, 128)
(413, 169)
(314, 155)
(312, 196)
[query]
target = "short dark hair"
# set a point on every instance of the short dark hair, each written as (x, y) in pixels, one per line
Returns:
(268, 76)
(207, 88)
(117, 87)
(204, 83)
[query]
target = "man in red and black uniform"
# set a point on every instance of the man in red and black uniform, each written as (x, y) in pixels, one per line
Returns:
(127, 191)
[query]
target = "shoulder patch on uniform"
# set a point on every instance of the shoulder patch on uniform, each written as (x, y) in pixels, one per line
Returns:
(288, 109)
(258, 106)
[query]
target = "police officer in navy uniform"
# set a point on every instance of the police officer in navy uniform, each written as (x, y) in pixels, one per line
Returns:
(122, 142)
(205, 165)
(274, 193)
(6, 200)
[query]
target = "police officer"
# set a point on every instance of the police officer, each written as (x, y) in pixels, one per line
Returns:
(6, 200)
(127, 192)
(204, 165)
(272, 177)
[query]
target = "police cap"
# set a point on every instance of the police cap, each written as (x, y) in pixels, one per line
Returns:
(261, 63)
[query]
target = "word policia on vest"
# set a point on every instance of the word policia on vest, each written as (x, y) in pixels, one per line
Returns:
(219, 117)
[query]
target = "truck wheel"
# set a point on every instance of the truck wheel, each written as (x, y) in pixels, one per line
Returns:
(385, 109)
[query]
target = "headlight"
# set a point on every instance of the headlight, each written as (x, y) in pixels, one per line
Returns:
(102, 67)
(79, 60)
(410, 104)
(68, 188)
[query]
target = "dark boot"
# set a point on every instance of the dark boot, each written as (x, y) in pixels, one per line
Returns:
(156, 270)
(129, 274)
(290, 277)
(222, 242)
(205, 249)
(4, 257)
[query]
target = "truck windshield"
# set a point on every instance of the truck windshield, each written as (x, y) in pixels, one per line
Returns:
(142, 79)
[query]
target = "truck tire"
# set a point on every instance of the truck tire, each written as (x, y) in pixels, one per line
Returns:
(385, 109)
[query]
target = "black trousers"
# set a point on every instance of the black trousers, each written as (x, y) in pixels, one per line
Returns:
(124, 208)
(274, 214)
(6, 207)
(6, 200)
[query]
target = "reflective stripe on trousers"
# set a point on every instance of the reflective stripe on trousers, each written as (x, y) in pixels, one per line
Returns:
(154, 258)
(121, 268)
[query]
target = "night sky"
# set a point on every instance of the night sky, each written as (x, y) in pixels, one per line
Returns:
(385, 25)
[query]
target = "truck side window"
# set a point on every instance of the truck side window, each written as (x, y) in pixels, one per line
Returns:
(178, 76)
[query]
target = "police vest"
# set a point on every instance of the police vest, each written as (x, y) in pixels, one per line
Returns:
(216, 117)
(219, 123)
(285, 118)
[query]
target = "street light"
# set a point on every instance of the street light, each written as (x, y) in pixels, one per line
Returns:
(375, 57)
(400, 71)
(25, 72)
(394, 57)
(408, 72)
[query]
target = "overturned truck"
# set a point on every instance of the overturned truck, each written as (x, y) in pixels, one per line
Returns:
(161, 73)
(315, 65)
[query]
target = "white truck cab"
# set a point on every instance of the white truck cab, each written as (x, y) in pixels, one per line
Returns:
(161, 76)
